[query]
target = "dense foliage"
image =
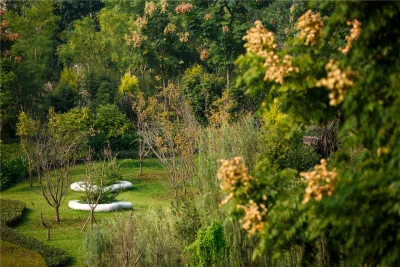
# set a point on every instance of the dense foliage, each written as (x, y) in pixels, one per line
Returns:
(351, 209)
(13, 171)
(276, 122)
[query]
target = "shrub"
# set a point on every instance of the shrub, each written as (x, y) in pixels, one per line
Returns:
(11, 213)
(208, 248)
(124, 146)
(106, 197)
(188, 219)
(283, 148)
(12, 171)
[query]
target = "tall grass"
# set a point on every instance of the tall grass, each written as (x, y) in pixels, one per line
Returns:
(138, 240)
(240, 138)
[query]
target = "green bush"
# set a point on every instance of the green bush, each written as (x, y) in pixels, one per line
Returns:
(124, 146)
(208, 248)
(12, 171)
(283, 148)
(106, 197)
(11, 213)
(188, 219)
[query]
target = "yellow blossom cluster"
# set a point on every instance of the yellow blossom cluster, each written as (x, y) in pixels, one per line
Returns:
(252, 220)
(310, 26)
(277, 68)
(262, 42)
(140, 22)
(164, 5)
(320, 181)
(232, 173)
(183, 8)
(150, 8)
(337, 81)
(354, 34)
(183, 37)
(384, 150)
(225, 29)
(170, 28)
(207, 16)
(135, 37)
(258, 38)
(204, 54)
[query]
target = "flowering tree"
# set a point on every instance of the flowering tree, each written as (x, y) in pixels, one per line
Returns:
(172, 136)
(336, 208)
(139, 106)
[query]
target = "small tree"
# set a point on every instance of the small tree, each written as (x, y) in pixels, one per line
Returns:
(96, 179)
(172, 136)
(52, 149)
(27, 130)
(141, 123)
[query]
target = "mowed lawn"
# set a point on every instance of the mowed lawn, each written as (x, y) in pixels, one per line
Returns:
(151, 190)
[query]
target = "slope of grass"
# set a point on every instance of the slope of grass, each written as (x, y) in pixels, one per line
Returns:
(150, 191)
(16, 256)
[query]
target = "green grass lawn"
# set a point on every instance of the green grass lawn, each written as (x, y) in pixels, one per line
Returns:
(149, 191)
(16, 256)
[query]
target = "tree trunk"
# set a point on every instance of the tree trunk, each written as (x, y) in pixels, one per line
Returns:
(46, 225)
(30, 178)
(57, 214)
(228, 75)
(91, 218)
(176, 194)
(140, 167)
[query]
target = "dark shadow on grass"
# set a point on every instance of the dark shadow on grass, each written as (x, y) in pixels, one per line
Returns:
(148, 163)
(25, 215)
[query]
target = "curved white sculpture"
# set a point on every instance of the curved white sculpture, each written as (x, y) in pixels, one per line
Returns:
(80, 186)
(74, 204)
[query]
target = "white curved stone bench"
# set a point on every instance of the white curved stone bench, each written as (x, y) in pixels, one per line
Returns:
(74, 204)
(80, 186)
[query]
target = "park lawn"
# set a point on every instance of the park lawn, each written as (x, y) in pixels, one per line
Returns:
(151, 190)
(16, 256)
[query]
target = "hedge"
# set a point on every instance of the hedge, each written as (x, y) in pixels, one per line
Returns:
(13, 171)
(10, 214)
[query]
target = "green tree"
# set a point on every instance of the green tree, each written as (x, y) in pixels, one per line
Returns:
(36, 26)
(8, 100)
(110, 122)
(201, 89)
(349, 214)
